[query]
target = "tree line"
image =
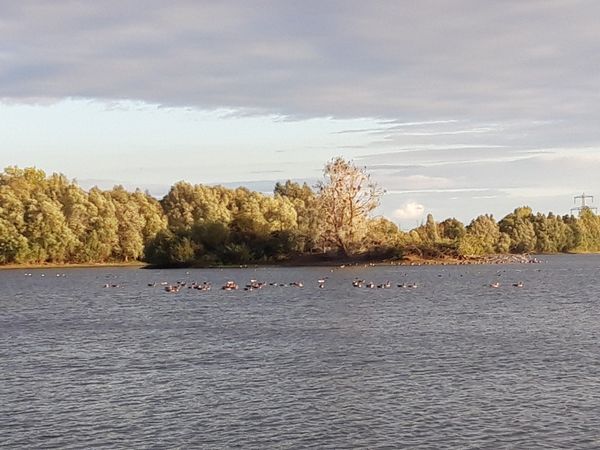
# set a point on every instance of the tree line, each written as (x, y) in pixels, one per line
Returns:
(49, 219)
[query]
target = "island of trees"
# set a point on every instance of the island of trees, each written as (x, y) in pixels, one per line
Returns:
(49, 219)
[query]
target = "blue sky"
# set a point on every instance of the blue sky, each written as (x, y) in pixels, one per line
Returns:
(456, 108)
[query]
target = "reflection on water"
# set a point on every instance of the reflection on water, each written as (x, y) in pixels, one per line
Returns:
(450, 364)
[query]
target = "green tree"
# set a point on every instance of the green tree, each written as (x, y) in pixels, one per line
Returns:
(13, 246)
(130, 225)
(305, 203)
(518, 225)
(186, 205)
(383, 238)
(588, 230)
(168, 249)
(451, 229)
(102, 235)
(481, 238)
(151, 212)
(552, 234)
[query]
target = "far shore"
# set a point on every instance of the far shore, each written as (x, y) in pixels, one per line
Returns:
(309, 261)
(134, 264)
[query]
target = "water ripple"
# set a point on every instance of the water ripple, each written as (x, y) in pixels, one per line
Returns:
(452, 364)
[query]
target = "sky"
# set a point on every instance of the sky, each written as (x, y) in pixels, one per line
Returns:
(456, 108)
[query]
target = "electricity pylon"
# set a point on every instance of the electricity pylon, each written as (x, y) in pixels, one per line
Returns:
(583, 205)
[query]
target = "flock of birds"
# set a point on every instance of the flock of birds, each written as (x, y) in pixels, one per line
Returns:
(29, 274)
(496, 284)
(228, 286)
(255, 284)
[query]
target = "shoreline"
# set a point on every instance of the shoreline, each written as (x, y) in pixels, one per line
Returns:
(297, 262)
(309, 262)
(135, 264)
(414, 260)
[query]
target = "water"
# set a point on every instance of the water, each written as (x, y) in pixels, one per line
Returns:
(451, 364)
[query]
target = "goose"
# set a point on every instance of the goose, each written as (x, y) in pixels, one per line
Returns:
(229, 286)
(357, 283)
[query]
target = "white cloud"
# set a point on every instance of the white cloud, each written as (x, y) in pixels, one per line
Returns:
(483, 95)
(458, 59)
(410, 210)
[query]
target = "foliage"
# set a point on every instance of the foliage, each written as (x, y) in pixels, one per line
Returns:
(519, 227)
(49, 219)
(481, 237)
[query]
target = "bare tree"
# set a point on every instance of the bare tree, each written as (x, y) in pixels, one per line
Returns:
(346, 197)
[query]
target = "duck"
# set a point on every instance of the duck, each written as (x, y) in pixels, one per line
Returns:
(518, 284)
(495, 285)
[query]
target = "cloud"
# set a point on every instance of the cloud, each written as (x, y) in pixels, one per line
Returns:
(546, 182)
(410, 210)
(493, 77)
(412, 63)
(461, 96)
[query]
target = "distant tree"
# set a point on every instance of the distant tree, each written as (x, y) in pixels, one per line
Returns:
(431, 230)
(49, 237)
(346, 198)
(279, 213)
(186, 205)
(51, 219)
(518, 225)
(14, 247)
(305, 202)
(552, 234)
(481, 238)
(235, 253)
(588, 230)
(383, 238)
(170, 249)
(102, 236)
(212, 236)
(151, 211)
(13, 244)
(451, 229)
(130, 225)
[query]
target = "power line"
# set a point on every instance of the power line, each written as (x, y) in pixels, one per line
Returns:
(583, 205)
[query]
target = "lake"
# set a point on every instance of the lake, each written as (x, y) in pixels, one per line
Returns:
(452, 363)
